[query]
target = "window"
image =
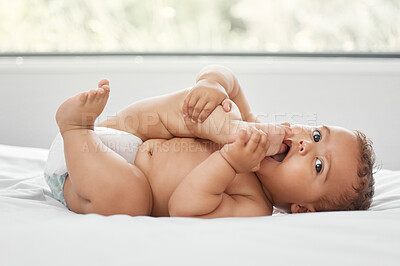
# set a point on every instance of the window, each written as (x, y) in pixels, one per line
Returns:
(244, 26)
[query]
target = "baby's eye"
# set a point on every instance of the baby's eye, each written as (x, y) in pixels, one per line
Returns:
(318, 165)
(316, 135)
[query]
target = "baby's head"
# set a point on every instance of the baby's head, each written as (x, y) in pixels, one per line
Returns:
(326, 168)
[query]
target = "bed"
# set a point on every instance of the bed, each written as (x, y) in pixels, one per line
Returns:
(35, 229)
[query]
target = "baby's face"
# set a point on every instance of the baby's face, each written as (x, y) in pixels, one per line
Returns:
(322, 161)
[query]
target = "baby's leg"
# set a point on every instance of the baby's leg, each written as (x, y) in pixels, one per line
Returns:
(161, 117)
(99, 181)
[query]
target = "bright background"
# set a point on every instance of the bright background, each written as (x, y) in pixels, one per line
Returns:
(199, 26)
(44, 48)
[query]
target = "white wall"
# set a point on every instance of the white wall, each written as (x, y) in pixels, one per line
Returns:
(355, 93)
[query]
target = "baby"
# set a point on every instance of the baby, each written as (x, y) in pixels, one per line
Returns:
(205, 154)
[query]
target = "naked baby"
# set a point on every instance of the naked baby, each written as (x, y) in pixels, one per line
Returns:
(205, 154)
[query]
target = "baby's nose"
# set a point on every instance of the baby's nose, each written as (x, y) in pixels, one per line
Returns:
(304, 146)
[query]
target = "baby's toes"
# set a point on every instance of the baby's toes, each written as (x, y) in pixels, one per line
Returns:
(106, 88)
(92, 95)
(100, 93)
(83, 97)
(103, 82)
(103, 95)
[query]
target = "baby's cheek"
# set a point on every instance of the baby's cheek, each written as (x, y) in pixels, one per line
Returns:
(297, 172)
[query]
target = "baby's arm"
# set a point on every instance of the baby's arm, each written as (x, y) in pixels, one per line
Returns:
(202, 192)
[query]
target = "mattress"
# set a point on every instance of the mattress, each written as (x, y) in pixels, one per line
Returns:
(35, 229)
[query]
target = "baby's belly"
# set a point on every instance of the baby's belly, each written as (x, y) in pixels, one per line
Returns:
(167, 162)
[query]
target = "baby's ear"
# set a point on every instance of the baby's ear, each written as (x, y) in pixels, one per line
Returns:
(301, 208)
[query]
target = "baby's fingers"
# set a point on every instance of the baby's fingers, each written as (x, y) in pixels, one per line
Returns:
(185, 107)
(207, 110)
(242, 136)
(254, 141)
(262, 147)
(197, 110)
(191, 104)
(256, 168)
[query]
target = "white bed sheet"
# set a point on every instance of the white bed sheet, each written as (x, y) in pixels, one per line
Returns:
(35, 229)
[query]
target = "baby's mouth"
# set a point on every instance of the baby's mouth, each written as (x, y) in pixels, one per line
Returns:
(281, 156)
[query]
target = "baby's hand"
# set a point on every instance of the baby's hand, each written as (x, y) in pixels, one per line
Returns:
(202, 100)
(245, 156)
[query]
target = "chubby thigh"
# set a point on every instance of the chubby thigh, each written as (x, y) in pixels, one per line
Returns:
(125, 191)
(109, 145)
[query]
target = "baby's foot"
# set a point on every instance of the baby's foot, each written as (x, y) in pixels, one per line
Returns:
(81, 110)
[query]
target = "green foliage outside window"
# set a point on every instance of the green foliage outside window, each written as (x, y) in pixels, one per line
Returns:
(59, 26)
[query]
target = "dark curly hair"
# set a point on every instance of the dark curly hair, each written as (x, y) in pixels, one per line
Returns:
(360, 198)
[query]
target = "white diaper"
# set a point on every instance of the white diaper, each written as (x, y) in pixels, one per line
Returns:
(55, 171)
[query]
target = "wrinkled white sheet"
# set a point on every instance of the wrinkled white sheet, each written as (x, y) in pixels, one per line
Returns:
(38, 230)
